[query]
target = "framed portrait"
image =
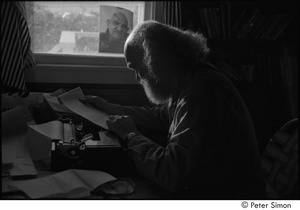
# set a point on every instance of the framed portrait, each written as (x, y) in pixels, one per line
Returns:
(115, 25)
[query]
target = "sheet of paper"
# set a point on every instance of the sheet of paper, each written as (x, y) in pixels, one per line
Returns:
(106, 139)
(72, 183)
(8, 151)
(39, 188)
(13, 121)
(23, 166)
(13, 127)
(14, 144)
(22, 149)
(71, 100)
(53, 129)
(40, 136)
(54, 103)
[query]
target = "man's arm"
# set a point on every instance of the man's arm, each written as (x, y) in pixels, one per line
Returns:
(152, 122)
(148, 120)
(169, 166)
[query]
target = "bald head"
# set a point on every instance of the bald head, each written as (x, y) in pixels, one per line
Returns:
(165, 49)
(134, 48)
(163, 55)
(117, 26)
(119, 16)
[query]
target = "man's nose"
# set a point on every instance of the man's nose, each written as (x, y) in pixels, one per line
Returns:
(119, 27)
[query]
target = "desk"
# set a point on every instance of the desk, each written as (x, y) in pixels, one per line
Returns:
(144, 189)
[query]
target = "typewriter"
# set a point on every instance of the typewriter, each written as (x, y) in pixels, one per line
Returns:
(85, 145)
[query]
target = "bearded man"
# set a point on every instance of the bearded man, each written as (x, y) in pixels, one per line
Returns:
(198, 140)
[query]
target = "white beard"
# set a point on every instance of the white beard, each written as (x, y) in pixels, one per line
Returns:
(154, 94)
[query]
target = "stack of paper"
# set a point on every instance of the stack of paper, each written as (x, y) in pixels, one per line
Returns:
(52, 100)
(67, 184)
(71, 100)
(15, 155)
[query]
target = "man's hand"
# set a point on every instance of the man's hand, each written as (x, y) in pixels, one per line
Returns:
(101, 104)
(121, 125)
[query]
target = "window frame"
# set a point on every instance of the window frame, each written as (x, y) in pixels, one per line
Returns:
(87, 69)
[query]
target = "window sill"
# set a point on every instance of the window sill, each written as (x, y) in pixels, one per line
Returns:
(85, 74)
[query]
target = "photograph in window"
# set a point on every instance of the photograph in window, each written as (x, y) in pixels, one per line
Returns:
(115, 25)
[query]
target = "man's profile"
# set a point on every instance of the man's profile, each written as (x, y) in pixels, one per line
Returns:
(198, 140)
(113, 39)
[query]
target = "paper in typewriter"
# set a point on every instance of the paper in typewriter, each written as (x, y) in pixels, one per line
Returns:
(107, 140)
(71, 100)
(51, 99)
(40, 137)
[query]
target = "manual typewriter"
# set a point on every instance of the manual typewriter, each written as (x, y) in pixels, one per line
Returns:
(85, 145)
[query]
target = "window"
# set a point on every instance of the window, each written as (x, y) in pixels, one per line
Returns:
(69, 39)
(74, 27)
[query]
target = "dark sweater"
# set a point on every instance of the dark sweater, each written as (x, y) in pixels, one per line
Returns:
(202, 145)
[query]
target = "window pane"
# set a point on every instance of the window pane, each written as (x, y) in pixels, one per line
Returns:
(75, 27)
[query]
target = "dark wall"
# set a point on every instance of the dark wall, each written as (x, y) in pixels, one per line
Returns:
(265, 95)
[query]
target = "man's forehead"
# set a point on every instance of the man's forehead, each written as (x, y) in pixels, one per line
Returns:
(120, 18)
